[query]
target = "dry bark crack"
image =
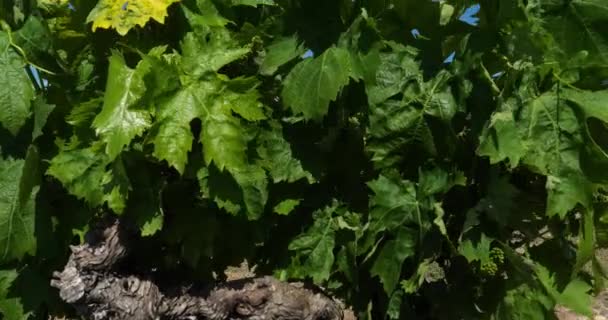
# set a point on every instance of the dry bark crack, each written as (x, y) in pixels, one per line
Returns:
(91, 284)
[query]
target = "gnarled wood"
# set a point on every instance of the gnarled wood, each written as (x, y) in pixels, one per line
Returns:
(90, 283)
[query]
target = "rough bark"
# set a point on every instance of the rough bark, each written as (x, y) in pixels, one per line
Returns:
(92, 284)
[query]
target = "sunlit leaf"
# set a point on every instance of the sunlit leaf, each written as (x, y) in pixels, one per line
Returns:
(16, 89)
(121, 119)
(125, 15)
(313, 83)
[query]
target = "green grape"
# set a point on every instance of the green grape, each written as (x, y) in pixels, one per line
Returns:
(489, 268)
(497, 255)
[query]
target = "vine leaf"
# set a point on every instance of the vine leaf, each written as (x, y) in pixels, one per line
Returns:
(119, 122)
(286, 206)
(173, 139)
(18, 190)
(125, 15)
(577, 28)
(84, 173)
(317, 245)
(209, 16)
(11, 308)
(225, 139)
(523, 303)
(209, 50)
(549, 138)
(279, 52)
(313, 83)
(82, 114)
(390, 259)
(224, 135)
(506, 140)
(397, 124)
(153, 225)
(479, 251)
(16, 89)
(277, 157)
(574, 296)
(42, 110)
(396, 69)
(393, 204)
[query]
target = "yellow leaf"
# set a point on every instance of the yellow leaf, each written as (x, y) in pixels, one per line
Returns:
(124, 15)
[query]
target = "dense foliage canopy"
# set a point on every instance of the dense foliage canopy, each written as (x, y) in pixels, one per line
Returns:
(320, 140)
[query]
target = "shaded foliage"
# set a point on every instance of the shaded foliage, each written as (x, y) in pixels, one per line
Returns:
(320, 140)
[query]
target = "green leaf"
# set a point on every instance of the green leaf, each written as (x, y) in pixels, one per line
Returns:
(576, 26)
(124, 16)
(390, 260)
(394, 305)
(505, 142)
(313, 83)
(34, 37)
(286, 206)
(224, 139)
(437, 97)
(586, 241)
(89, 174)
(42, 110)
(121, 119)
(393, 204)
(241, 96)
(439, 181)
(576, 297)
(415, 281)
(278, 159)
(522, 303)
(591, 103)
(279, 52)
(317, 245)
(209, 16)
(447, 11)
(82, 115)
(7, 277)
(10, 308)
(549, 138)
(479, 251)
(152, 226)
(393, 128)
(397, 68)
(18, 190)
(397, 126)
(210, 51)
(173, 139)
(253, 183)
(16, 89)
